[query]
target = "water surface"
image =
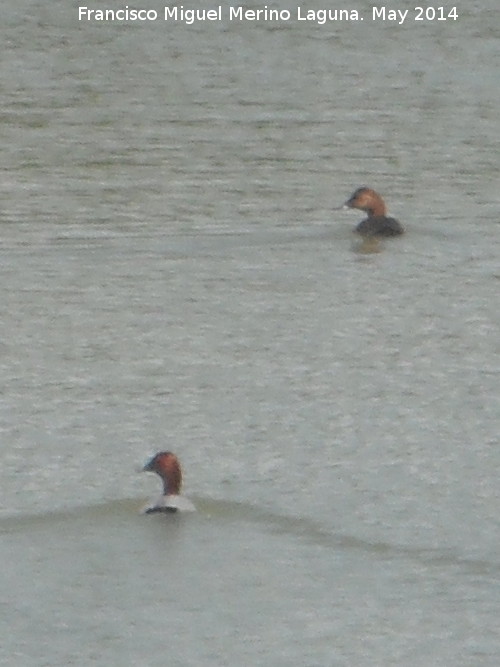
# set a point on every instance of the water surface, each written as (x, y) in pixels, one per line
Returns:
(173, 276)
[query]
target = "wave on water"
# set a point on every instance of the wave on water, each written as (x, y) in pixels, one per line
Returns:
(298, 527)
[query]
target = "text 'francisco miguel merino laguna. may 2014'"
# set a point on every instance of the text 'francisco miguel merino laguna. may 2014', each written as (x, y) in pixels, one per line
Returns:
(188, 16)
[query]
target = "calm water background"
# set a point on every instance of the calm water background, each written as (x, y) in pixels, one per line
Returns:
(173, 276)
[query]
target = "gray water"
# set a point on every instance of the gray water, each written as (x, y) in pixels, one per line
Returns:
(174, 276)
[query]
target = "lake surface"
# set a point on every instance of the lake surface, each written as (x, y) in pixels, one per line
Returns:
(174, 276)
